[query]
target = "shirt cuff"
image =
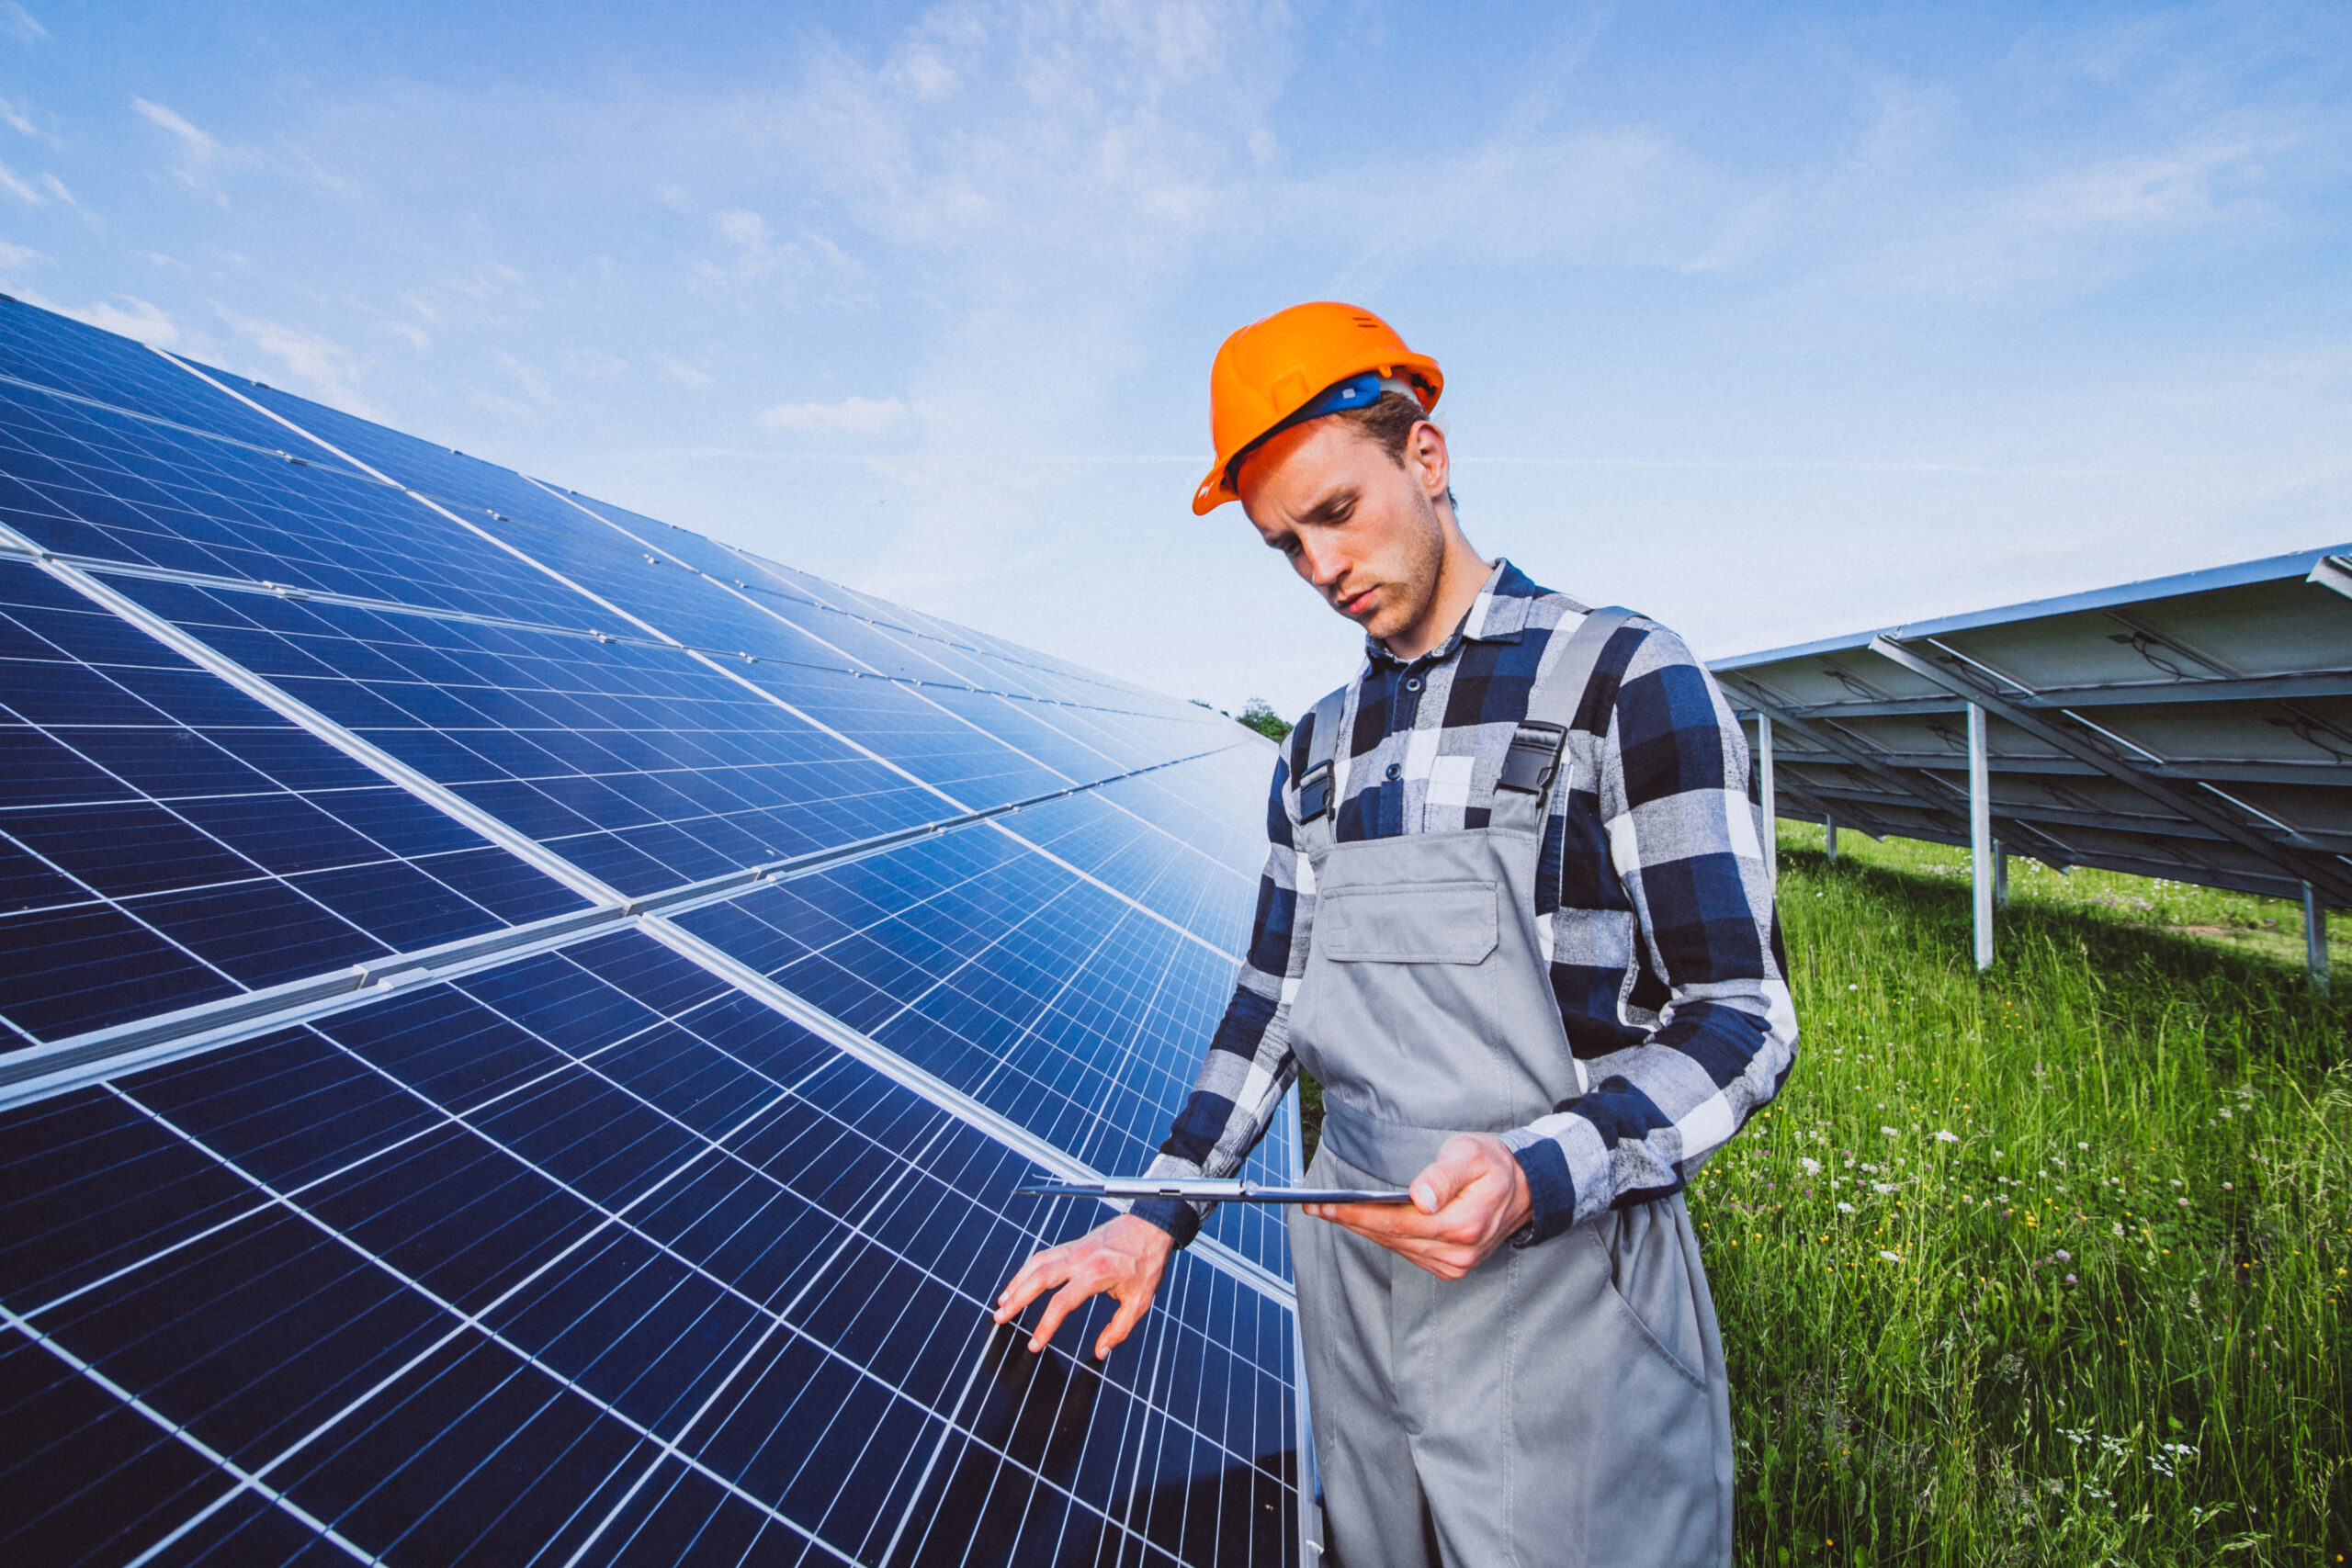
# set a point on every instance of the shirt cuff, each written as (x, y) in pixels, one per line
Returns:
(1549, 1184)
(1173, 1215)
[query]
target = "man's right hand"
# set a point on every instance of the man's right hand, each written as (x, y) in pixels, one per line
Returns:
(1125, 1257)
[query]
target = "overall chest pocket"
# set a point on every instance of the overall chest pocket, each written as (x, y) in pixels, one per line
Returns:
(1408, 922)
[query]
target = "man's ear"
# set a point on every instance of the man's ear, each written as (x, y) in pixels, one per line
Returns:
(1427, 459)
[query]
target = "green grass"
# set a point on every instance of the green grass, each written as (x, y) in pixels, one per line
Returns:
(2046, 1266)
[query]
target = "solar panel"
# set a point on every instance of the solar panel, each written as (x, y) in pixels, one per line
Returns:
(169, 839)
(525, 1023)
(109, 484)
(2196, 727)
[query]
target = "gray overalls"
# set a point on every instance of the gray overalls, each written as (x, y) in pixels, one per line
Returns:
(1563, 1403)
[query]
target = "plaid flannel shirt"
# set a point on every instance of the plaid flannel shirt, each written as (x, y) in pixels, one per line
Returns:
(1653, 895)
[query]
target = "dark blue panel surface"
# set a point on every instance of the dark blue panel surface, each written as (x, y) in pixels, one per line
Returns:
(165, 839)
(57, 352)
(640, 765)
(1153, 866)
(1051, 1001)
(590, 1255)
(89, 481)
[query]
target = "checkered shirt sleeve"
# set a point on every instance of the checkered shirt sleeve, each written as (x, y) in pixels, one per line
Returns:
(1664, 948)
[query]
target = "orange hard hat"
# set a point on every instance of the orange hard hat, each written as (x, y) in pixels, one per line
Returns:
(1269, 372)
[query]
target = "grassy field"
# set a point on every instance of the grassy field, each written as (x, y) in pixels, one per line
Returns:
(2047, 1266)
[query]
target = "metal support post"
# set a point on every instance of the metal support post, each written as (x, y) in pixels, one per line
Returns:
(2000, 874)
(1980, 833)
(1770, 808)
(2315, 939)
(1830, 825)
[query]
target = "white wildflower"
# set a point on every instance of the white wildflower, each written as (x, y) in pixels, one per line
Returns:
(1848, 1208)
(1946, 1136)
(1889, 1257)
(1882, 1186)
(1812, 1166)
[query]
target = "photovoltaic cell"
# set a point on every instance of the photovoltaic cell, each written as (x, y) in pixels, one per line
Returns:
(87, 481)
(1037, 993)
(64, 354)
(591, 1254)
(1132, 834)
(640, 765)
(169, 839)
(588, 1254)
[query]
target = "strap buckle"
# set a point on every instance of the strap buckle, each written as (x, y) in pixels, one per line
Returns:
(1315, 792)
(1533, 758)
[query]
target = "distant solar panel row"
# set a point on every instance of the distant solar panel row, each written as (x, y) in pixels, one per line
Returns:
(2197, 728)
(522, 1022)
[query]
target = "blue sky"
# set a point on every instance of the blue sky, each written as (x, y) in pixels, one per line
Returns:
(1770, 320)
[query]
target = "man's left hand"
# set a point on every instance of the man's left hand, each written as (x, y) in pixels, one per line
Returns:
(1468, 1202)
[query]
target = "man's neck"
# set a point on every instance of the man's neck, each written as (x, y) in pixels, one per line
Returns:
(1461, 575)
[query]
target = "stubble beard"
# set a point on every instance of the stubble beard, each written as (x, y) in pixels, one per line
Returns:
(1419, 568)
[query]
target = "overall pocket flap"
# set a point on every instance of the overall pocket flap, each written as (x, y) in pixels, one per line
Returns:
(1408, 922)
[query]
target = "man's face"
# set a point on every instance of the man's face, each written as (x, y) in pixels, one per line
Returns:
(1362, 529)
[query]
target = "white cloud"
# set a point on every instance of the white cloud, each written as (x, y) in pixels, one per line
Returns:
(2083, 224)
(19, 118)
(147, 322)
(38, 191)
(851, 416)
(21, 25)
(21, 189)
(533, 380)
(198, 155)
(593, 365)
(200, 144)
(809, 259)
(748, 229)
(16, 258)
(315, 364)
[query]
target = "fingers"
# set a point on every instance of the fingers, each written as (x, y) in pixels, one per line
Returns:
(1040, 1273)
(1132, 1306)
(1066, 1301)
(1462, 1161)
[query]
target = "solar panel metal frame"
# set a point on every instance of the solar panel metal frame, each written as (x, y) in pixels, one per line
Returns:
(2197, 728)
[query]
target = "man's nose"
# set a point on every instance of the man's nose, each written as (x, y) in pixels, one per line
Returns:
(1325, 567)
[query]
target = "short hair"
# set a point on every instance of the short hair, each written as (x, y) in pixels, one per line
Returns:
(1387, 423)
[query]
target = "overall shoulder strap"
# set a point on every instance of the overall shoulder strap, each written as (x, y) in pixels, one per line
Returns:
(1315, 789)
(1539, 747)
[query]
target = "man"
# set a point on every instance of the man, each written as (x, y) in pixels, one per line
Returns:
(1517, 921)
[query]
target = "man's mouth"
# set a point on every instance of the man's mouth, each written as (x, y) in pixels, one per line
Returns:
(1355, 607)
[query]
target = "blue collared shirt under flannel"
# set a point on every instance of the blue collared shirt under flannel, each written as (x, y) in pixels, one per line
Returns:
(1655, 895)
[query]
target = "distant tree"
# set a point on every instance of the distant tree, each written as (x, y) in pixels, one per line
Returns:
(1259, 715)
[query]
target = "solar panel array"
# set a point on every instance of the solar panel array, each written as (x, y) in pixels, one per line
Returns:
(519, 1022)
(2195, 728)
